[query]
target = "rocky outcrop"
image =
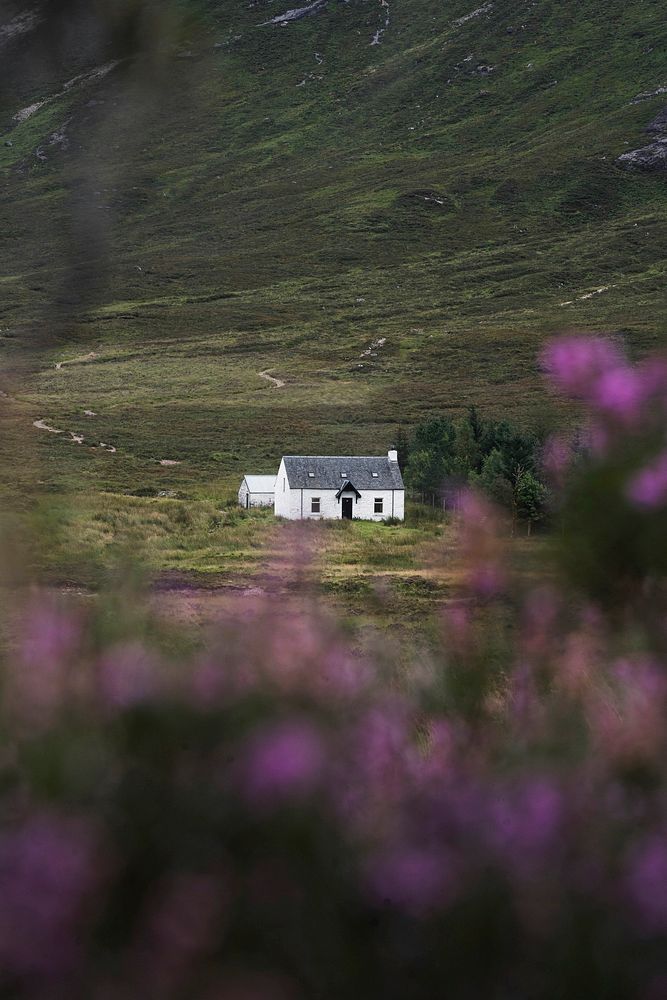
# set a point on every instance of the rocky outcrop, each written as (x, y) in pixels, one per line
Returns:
(648, 94)
(485, 9)
(648, 159)
(297, 13)
(659, 124)
(20, 25)
(654, 156)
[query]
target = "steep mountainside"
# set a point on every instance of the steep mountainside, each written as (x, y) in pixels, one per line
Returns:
(384, 204)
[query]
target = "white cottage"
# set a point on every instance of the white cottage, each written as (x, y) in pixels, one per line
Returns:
(257, 491)
(340, 486)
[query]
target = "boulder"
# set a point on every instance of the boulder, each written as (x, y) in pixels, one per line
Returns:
(659, 123)
(649, 158)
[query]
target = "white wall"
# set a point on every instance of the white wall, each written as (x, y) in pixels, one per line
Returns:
(296, 504)
(261, 499)
(283, 495)
(256, 499)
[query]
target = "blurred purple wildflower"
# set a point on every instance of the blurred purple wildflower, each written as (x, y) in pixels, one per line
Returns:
(557, 457)
(414, 879)
(481, 548)
(648, 488)
(646, 882)
(526, 824)
(46, 652)
(282, 762)
(620, 393)
(572, 363)
(128, 676)
(49, 868)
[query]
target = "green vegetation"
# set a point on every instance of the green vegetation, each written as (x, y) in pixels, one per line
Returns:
(492, 455)
(197, 541)
(390, 229)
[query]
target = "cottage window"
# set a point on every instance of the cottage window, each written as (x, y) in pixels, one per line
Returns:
(343, 475)
(379, 502)
(375, 475)
(315, 505)
(284, 481)
(311, 475)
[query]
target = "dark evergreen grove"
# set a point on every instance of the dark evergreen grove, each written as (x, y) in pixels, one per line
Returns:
(500, 459)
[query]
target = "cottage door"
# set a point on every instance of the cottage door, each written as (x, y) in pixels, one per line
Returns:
(347, 508)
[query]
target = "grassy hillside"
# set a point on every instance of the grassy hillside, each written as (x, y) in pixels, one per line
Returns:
(391, 229)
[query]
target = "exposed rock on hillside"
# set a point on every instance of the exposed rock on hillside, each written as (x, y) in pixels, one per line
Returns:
(648, 94)
(648, 158)
(20, 25)
(485, 9)
(654, 156)
(659, 123)
(434, 199)
(297, 13)
(83, 79)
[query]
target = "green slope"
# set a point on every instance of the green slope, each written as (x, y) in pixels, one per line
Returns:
(391, 229)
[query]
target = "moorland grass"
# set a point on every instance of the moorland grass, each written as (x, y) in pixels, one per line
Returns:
(453, 191)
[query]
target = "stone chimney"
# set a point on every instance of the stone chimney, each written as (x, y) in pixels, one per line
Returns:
(392, 455)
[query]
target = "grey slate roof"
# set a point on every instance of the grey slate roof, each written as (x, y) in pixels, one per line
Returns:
(331, 471)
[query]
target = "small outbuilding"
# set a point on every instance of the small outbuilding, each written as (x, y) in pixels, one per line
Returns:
(257, 491)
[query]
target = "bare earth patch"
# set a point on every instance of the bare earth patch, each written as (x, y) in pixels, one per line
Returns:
(76, 361)
(75, 438)
(278, 383)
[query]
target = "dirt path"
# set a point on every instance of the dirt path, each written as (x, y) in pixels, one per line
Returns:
(76, 361)
(278, 383)
(42, 425)
(74, 437)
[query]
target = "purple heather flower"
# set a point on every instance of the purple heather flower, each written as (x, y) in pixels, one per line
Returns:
(282, 762)
(526, 825)
(620, 393)
(573, 363)
(480, 545)
(48, 871)
(557, 456)
(414, 879)
(540, 615)
(459, 631)
(487, 579)
(128, 676)
(597, 438)
(50, 642)
(648, 488)
(52, 634)
(646, 880)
